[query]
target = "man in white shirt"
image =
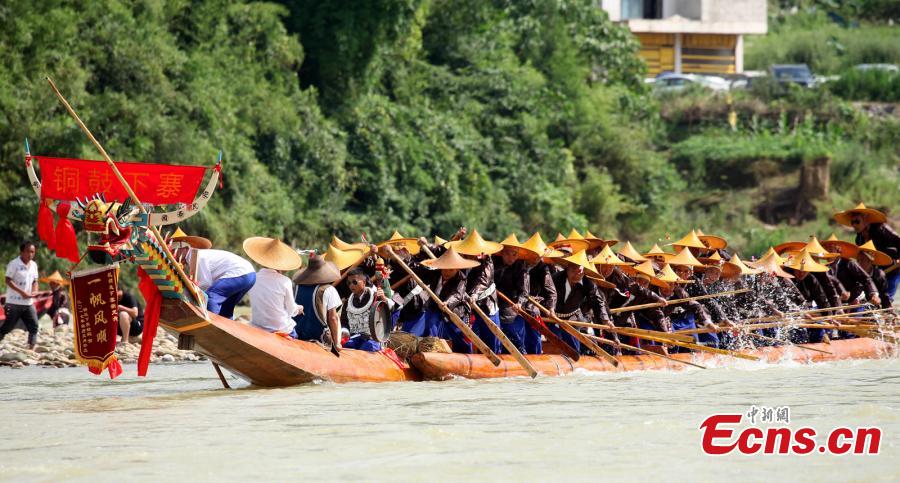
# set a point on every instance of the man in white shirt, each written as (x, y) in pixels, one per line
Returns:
(272, 296)
(21, 286)
(224, 276)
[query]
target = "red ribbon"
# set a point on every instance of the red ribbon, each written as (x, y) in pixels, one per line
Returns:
(66, 243)
(45, 225)
(151, 319)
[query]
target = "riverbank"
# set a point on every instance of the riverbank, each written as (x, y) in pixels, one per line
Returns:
(55, 348)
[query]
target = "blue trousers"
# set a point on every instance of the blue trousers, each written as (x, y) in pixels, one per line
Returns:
(482, 331)
(566, 337)
(427, 324)
(515, 331)
(225, 293)
(363, 343)
(893, 279)
(532, 340)
(456, 337)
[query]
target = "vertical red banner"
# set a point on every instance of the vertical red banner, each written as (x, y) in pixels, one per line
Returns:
(95, 305)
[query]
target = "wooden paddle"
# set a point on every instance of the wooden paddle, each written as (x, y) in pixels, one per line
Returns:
(566, 349)
(850, 315)
(633, 332)
(779, 341)
(644, 351)
(701, 348)
(497, 331)
(466, 330)
(630, 308)
(564, 325)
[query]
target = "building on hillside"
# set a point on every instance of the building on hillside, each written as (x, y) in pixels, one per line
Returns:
(691, 36)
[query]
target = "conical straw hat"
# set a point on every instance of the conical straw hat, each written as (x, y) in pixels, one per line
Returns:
(439, 241)
(474, 245)
(344, 259)
(791, 246)
(816, 249)
(580, 258)
(593, 241)
(804, 262)
(878, 257)
(607, 257)
(714, 260)
(342, 245)
(536, 244)
(192, 241)
(599, 281)
(399, 241)
(513, 241)
(630, 253)
(657, 252)
(685, 257)
(574, 244)
(712, 241)
(843, 248)
(317, 272)
(645, 269)
(872, 215)
(606, 241)
(272, 253)
(770, 264)
(54, 277)
(736, 267)
(771, 252)
(690, 240)
(666, 276)
(450, 260)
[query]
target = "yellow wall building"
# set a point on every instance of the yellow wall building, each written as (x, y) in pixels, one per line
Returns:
(691, 36)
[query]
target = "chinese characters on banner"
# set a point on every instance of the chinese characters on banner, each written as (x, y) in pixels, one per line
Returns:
(156, 184)
(95, 306)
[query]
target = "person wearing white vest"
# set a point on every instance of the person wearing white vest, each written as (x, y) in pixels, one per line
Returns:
(363, 298)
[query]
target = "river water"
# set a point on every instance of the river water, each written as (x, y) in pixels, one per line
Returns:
(65, 424)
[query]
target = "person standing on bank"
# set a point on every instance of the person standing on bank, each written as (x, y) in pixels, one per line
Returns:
(21, 287)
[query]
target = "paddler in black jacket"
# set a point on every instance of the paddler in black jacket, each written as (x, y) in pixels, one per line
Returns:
(512, 278)
(578, 298)
(850, 274)
(802, 266)
(869, 260)
(871, 225)
(540, 286)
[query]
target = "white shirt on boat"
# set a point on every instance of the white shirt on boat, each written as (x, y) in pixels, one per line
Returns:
(272, 302)
(212, 265)
(23, 275)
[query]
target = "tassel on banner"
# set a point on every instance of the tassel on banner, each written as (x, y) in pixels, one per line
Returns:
(45, 225)
(66, 243)
(153, 299)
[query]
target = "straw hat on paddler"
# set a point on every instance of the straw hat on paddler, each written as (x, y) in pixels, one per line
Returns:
(474, 245)
(536, 244)
(843, 248)
(512, 241)
(607, 257)
(342, 245)
(804, 262)
(192, 241)
(686, 258)
(399, 241)
(628, 251)
(791, 246)
(644, 270)
(712, 241)
(737, 268)
(658, 253)
(715, 260)
(317, 272)
(871, 215)
(691, 240)
(770, 253)
(593, 242)
(580, 259)
(878, 257)
(272, 253)
(344, 259)
(770, 264)
(450, 260)
(54, 277)
(439, 241)
(606, 241)
(667, 276)
(574, 242)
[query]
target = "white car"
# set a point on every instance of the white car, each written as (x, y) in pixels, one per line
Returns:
(677, 82)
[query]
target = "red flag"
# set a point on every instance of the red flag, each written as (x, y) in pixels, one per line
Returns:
(151, 319)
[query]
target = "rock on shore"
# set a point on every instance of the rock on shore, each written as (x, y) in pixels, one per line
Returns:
(56, 348)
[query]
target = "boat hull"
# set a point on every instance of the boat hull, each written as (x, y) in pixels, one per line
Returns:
(440, 366)
(268, 360)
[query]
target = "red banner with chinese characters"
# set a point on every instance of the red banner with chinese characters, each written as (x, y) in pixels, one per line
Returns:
(157, 184)
(95, 305)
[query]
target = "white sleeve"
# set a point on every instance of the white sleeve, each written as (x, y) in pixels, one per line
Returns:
(10, 271)
(290, 306)
(331, 299)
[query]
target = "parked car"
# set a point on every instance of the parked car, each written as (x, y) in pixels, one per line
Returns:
(676, 82)
(793, 74)
(881, 67)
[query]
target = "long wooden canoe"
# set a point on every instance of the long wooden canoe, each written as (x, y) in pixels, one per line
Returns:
(268, 360)
(438, 366)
